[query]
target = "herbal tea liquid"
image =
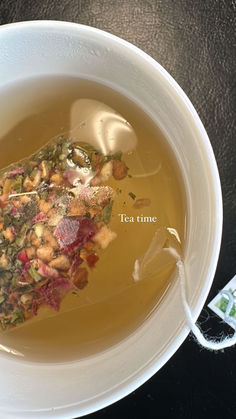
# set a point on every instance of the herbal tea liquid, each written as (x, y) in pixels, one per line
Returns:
(112, 305)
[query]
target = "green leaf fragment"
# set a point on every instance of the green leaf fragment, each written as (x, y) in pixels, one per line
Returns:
(109, 157)
(62, 210)
(5, 277)
(17, 185)
(10, 250)
(7, 220)
(106, 212)
(97, 219)
(44, 195)
(117, 156)
(34, 274)
(60, 192)
(4, 323)
(17, 316)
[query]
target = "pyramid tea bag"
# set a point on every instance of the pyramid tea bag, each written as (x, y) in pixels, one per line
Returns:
(55, 210)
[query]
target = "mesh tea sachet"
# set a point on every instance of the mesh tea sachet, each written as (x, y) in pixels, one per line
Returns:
(55, 210)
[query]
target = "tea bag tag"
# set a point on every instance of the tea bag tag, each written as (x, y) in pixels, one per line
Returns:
(224, 303)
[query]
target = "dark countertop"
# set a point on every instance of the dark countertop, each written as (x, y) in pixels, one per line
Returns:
(195, 42)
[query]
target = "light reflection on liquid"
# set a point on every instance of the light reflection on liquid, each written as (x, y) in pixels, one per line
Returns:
(101, 126)
(11, 351)
(95, 123)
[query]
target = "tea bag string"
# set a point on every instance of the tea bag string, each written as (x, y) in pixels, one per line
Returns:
(210, 344)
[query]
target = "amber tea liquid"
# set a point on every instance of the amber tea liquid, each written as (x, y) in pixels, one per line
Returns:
(112, 305)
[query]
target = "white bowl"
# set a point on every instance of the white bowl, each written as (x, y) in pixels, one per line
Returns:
(31, 390)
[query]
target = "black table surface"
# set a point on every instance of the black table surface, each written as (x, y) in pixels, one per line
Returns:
(195, 42)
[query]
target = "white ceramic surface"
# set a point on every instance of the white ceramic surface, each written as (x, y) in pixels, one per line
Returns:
(28, 49)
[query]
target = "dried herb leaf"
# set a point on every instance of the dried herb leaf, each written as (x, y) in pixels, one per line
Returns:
(106, 212)
(117, 156)
(34, 274)
(17, 316)
(132, 195)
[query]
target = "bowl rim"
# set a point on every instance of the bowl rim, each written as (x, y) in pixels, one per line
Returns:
(151, 368)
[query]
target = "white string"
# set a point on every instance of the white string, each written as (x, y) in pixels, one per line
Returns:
(210, 344)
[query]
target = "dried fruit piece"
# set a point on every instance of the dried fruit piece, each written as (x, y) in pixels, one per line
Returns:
(92, 260)
(80, 278)
(140, 203)
(104, 236)
(61, 263)
(119, 169)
